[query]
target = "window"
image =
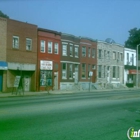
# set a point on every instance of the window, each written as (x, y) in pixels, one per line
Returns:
(42, 49)
(64, 50)
(71, 50)
(76, 52)
(64, 70)
(83, 70)
(105, 54)
(100, 54)
(84, 51)
(121, 56)
(114, 72)
(114, 55)
(49, 47)
(70, 71)
(93, 67)
(108, 55)
(89, 52)
(104, 71)
(93, 53)
(127, 58)
(15, 42)
(56, 48)
(118, 75)
(118, 56)
(28, 44)
(99, 71)
(132, 59)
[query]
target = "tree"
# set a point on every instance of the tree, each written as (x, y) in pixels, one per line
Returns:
(134, 38)
(3, 15)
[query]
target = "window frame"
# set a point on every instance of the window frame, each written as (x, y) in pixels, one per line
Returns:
(56, 47)
(83, 70)
(16, 44)
(83, 51)
(30, 44)
(64, 71)
(64, 52)
(50, 44)
(44, 44)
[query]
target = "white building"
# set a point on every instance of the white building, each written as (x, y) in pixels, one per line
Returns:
(129, 66)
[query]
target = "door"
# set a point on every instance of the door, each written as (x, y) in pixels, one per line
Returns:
(27, 83)
(55, 80)
(0, 81)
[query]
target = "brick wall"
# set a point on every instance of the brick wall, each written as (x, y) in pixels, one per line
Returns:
(3, 35)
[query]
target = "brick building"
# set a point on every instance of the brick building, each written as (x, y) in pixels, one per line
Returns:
(88, 61)
(20, 49)
(48, 68)
(70, 61)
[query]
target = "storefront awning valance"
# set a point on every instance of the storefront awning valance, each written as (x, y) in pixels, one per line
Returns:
(3, 65)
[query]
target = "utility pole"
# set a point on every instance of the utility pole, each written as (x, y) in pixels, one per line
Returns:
(137, 64)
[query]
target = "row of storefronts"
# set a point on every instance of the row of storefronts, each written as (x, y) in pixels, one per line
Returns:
(42, 57)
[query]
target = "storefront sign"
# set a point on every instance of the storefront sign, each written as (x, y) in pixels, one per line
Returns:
(133, 72)
(3, 65)
(46, 65)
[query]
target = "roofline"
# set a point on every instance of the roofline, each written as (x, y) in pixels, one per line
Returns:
(50, 31)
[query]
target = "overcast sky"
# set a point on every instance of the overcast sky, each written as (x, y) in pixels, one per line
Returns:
(97, 19)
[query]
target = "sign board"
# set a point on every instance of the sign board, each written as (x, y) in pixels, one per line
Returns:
(16, 82)
(46, 65)
(91, 73)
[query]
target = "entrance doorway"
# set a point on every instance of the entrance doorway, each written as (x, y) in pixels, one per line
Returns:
(27, 83)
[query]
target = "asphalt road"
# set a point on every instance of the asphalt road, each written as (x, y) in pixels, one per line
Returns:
(85, 116)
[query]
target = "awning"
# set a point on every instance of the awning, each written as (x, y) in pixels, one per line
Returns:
(134, 72)
(3, 65)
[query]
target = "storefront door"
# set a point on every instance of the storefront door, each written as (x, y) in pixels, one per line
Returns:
(27, 82)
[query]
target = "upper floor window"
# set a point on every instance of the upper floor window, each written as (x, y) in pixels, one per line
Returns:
(114, 55)
(42, 48)
(28, 44)
(71, 50)
(49, 47)
(64, 49)
(84, 51)
(104, 53)
(76, 51)
(56, 48)
(16, 42)
(127, 58)
(100, 54)
(93, 53)
(121, 56)
(132, 59)
(89, 52)
(108, 54)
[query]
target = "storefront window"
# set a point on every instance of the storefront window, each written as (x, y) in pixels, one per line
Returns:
(45, 78)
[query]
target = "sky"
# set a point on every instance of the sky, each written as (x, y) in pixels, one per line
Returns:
(96, 19)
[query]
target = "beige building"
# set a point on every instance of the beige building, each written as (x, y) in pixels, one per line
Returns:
(110, 66)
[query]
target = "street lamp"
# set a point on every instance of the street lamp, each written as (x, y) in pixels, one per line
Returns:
(137, 63)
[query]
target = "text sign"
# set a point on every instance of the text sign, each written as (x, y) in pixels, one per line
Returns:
(46, 65)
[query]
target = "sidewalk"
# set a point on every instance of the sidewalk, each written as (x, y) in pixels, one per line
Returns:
(2, 95)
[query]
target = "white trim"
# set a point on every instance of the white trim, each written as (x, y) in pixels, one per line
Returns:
(65, 41)
(69, 62)
(85, 43)
(76, 45)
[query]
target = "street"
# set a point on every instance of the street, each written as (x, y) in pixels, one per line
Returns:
(81, 116)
